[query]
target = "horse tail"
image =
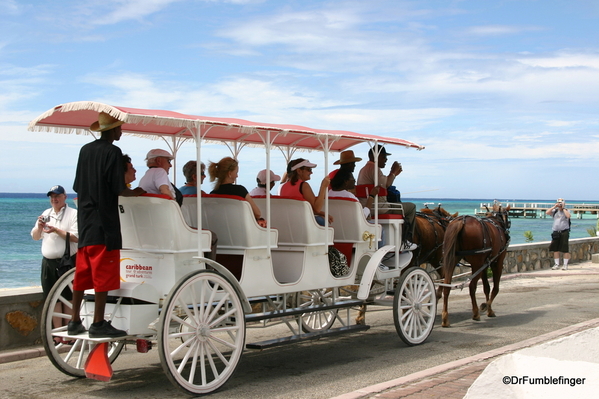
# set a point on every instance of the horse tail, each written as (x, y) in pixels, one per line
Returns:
(449, 247)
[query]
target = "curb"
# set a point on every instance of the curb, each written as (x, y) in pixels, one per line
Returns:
(22, 354)
(384, 386)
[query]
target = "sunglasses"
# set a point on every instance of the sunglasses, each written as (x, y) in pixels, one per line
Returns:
(306, 169)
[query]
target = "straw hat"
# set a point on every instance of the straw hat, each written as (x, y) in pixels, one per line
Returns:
(105, 122)
(347, 157)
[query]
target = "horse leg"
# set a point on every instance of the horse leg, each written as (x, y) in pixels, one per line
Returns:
(472, 288)
(497, 271)
(445, 313)
(487, 290)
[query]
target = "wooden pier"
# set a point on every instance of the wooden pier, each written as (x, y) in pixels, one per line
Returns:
(539, 209)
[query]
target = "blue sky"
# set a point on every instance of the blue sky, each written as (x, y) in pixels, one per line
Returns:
(503, 94)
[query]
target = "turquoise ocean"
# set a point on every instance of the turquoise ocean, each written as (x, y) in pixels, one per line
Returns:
(20, 255)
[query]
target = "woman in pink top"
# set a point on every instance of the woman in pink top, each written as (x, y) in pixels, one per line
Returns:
(299, 172)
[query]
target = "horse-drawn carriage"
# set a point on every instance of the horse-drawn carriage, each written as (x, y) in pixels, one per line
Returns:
(198, 309)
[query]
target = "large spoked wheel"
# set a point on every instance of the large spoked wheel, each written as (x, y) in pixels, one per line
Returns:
(68, 356)
(202, 332)
(317, 321)
(414, 306)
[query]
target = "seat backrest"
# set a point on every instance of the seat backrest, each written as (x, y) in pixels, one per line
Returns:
(154, 223)
(189, 209)
(294, 219)
(350, 222)
(233, 221)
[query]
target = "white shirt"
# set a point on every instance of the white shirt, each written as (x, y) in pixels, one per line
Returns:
(52, 244)
(153, 179)
(258, 191)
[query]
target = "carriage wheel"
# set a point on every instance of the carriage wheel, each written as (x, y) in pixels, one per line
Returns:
(202, 332)
(414, 306)
(317, 321)
(68, 357)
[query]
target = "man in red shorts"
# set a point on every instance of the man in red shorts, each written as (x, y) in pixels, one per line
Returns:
(98, 183)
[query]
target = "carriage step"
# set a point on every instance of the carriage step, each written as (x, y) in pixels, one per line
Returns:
(307, 336)
(297, 311)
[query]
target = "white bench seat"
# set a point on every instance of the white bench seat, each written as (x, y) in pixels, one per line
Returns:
(294, 219)
(154, 223)
(233, 221)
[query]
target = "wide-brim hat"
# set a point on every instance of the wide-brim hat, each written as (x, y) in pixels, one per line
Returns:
(105, 122)
(347, 157)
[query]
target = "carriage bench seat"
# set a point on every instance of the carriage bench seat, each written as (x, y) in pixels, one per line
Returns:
(154, 223)
(233, 221)
(294, 219)
(350, 223)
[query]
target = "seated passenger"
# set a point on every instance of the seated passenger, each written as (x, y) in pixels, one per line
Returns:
(343, 183)
(129, 170)
(225, 174)
(191, 178)
(261, 180)
(347, 160)
(156, 181)
(299, 172)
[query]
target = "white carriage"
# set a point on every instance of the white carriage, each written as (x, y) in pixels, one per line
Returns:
(197, 309)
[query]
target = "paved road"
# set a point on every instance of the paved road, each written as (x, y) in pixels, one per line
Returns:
(526, 307)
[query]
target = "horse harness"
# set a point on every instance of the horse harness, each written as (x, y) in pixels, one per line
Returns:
(436, 219)
(503, 227)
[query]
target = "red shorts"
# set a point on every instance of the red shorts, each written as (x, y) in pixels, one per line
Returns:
(97, 268)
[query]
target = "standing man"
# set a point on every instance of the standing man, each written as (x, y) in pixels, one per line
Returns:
(99, 181)
(367, 175)
(561, 233)
(52, 227)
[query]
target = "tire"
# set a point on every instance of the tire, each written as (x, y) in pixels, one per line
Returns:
(202, 332)
(317, 321)
(68, 358)
(414, 306)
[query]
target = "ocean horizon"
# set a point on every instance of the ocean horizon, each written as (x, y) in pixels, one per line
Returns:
(20, 255)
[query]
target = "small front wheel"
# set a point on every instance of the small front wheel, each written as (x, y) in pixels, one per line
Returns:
(414, 306)
(322, 320)
(202, 332)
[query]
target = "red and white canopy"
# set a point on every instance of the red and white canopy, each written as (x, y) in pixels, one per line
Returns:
(77, 117)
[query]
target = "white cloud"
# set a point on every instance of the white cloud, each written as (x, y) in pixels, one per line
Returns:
(496, 30)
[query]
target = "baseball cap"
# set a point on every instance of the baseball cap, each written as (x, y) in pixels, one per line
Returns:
(56, 190)
(158, 153)
(262, 176)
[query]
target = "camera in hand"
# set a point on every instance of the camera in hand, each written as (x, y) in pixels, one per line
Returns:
(45, 218)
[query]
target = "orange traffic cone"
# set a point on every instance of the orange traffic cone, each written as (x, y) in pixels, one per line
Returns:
(97, 365)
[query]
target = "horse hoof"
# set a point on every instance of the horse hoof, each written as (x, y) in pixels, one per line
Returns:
(492, 314)
(445, 325)
(483, 307)
(476, 318)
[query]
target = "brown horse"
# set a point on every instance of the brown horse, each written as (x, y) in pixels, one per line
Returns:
(428, 235)
(483, 243)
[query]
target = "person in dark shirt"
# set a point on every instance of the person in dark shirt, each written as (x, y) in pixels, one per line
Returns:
(99, 181)
(225, 174)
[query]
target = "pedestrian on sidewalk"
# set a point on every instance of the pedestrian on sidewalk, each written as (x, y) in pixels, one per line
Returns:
(560, 234)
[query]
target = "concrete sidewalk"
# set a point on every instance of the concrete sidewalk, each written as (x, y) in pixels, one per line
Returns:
(452, 380)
